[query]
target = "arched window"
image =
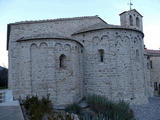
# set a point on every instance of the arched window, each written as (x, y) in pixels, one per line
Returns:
(131, 20)
(137, 21)
(62, 61)
(101, 55)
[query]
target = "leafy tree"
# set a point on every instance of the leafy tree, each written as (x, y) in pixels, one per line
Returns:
(3, 78)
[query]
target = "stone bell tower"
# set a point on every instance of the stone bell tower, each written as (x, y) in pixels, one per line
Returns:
(131, 19)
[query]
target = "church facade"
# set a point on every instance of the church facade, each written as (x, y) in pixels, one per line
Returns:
(70, 58)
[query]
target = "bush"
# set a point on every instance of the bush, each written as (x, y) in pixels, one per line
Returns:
(73, 108)
(3, 78)
(99, 104)
(100, 108)
(41, 109)
(37, 109)
(108, 109)
(122, 110)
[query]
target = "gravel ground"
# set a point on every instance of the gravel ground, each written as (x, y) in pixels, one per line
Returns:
(150, 111)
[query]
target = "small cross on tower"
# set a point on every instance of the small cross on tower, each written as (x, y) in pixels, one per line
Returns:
(130, 5)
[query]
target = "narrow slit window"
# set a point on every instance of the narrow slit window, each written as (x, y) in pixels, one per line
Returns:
(137, 53)
(151, 64)
(62, 60)
(101, 55)
(155, 86)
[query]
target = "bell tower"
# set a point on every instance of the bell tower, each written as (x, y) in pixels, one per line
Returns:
(131, 19)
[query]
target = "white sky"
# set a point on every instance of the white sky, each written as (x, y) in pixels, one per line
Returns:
(21, 10)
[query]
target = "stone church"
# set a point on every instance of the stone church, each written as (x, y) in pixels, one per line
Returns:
(69, 58)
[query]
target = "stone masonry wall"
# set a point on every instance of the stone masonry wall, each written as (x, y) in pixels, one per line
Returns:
(19, 54)
(34, 65)
(121, 74)
(155, 74)
(40, 73)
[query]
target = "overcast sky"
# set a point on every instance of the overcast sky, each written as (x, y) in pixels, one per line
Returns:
(21, 10)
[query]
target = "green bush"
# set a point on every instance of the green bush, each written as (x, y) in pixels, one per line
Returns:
(99, 108)
(3, 78)
(73, 108)
(99, 104)
(36, 109)
(122, 110)
(109, 110)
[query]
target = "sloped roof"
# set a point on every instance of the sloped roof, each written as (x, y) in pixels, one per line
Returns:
(150, 52)
(58, 19)
(99, 26)
(47, 36)
(96, 27)
(38, 36)
(63, 20)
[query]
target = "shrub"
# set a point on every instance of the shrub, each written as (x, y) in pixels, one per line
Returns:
(100, 108)
(109, 110)
(73, 108)
(39, 109)
(122, 111)
(36, 109)
(3, 78)
(99, 104)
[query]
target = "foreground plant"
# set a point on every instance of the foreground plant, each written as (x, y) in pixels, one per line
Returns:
(73, 108)
(37, 108)
(100, 108)
(109, 110)
(41, 109)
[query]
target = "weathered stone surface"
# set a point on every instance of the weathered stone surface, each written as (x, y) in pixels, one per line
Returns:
(107, 61)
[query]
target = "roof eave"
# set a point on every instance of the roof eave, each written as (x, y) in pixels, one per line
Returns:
(108, 28)
(38, 38)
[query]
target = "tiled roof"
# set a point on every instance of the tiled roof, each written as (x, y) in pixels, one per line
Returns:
(152, 52)
(47, 36)
(51, 35)
(101, 26)
(53, 20)
(65, 20)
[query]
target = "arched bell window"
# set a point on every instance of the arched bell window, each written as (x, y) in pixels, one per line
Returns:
(131, 20)
(137, 21)
(62, 61)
